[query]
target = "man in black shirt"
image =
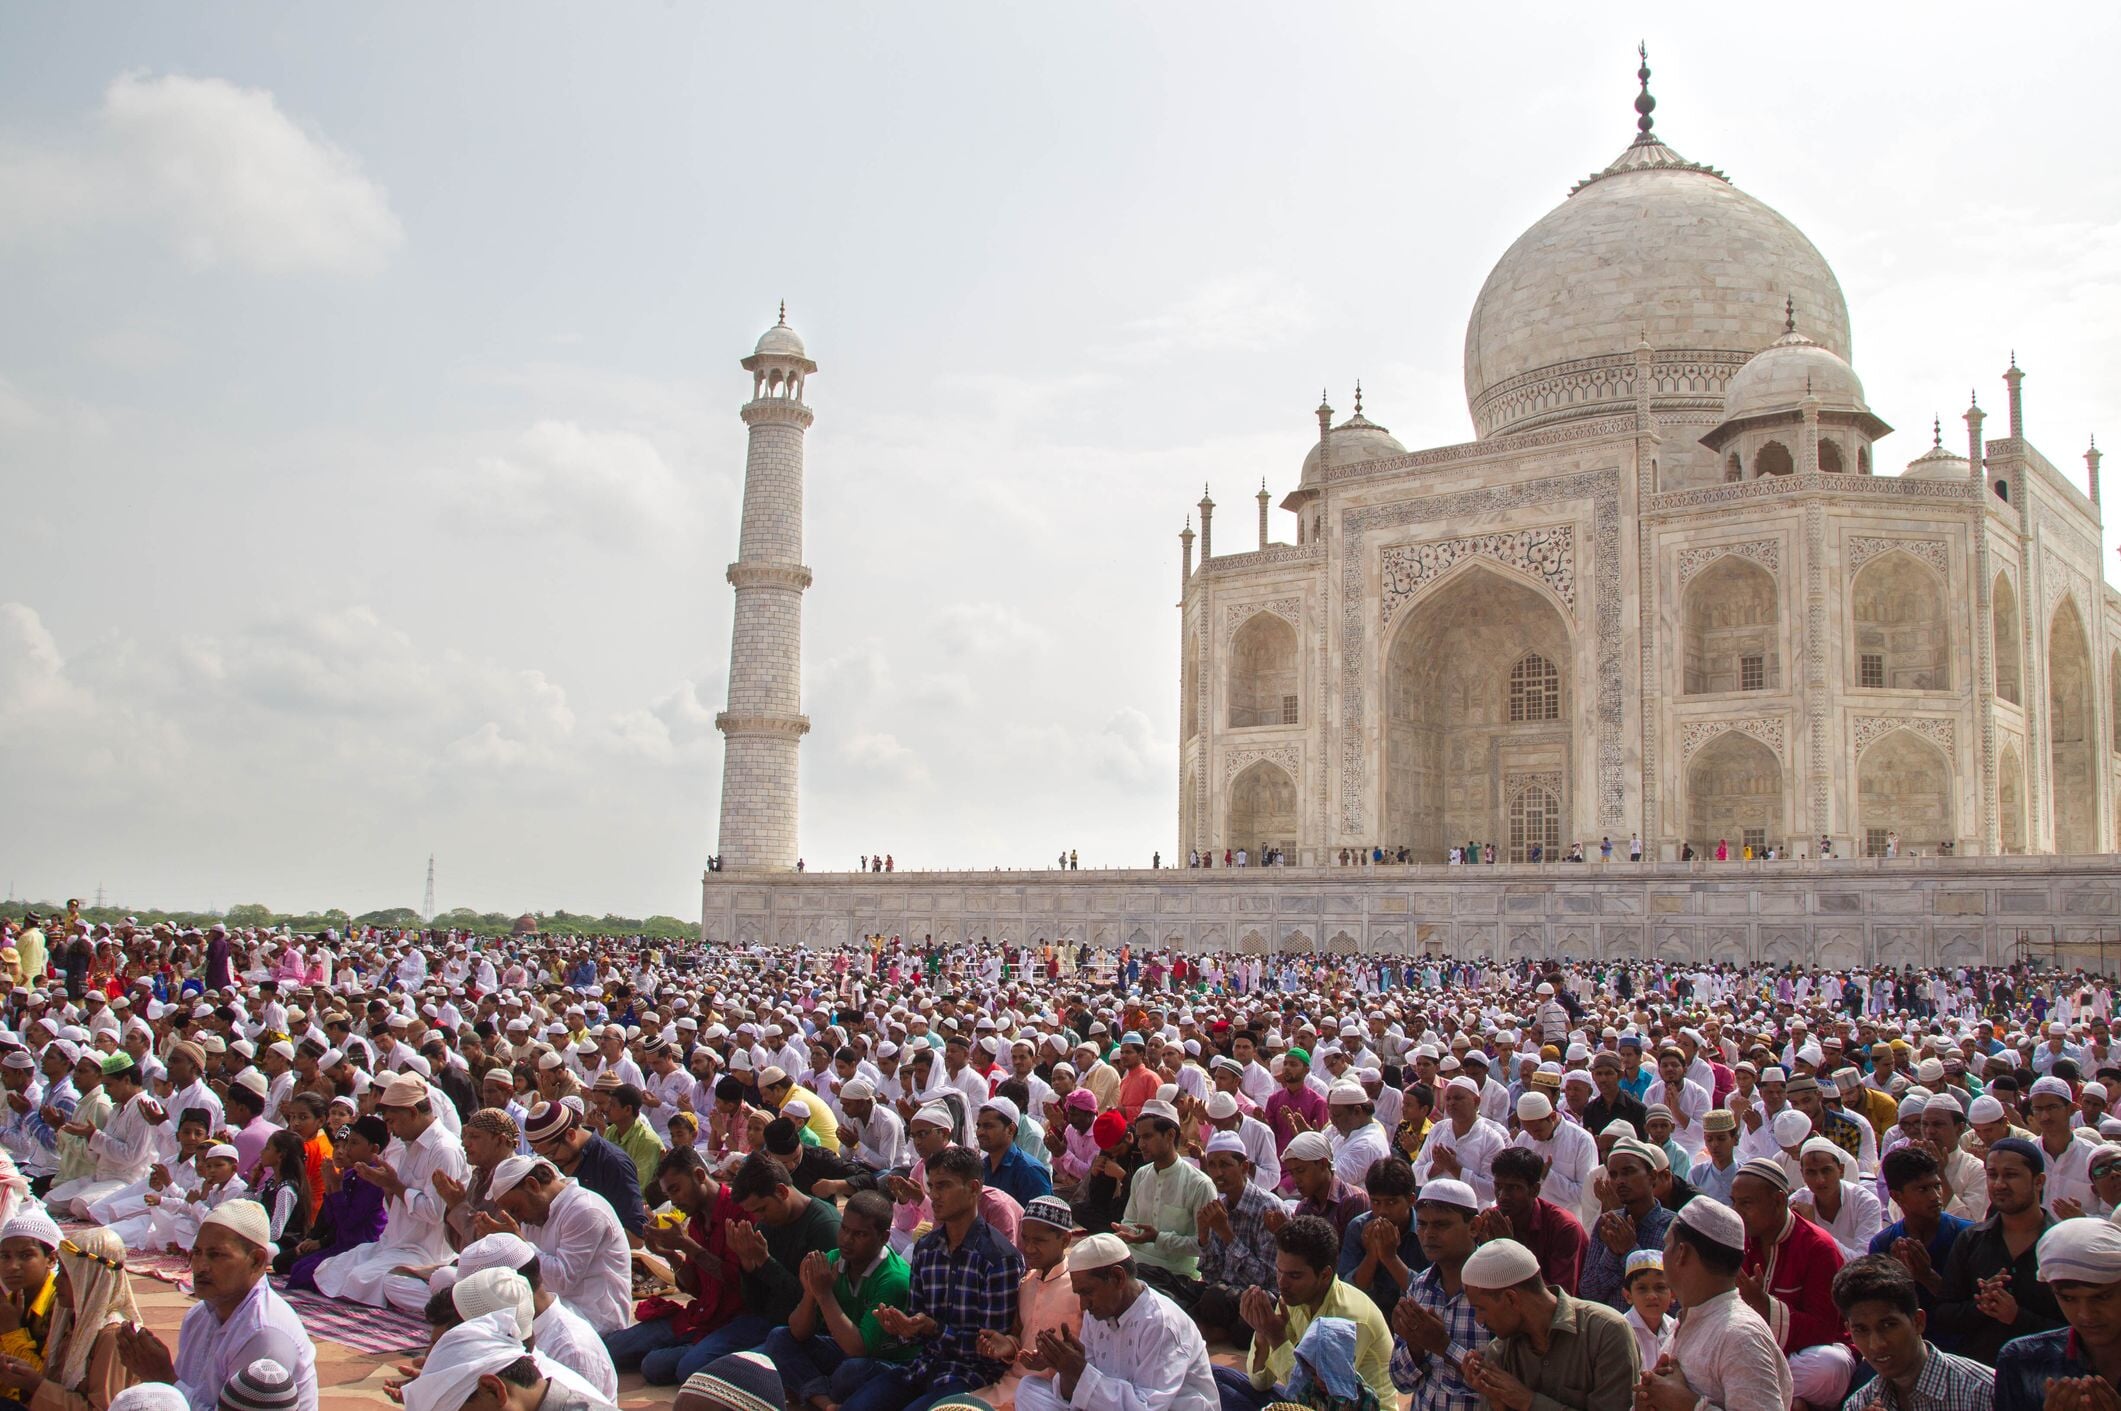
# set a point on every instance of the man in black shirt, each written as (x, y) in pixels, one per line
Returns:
(1991, 1291)
(1612, 1103)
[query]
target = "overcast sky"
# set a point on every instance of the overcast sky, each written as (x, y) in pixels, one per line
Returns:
(368, 382)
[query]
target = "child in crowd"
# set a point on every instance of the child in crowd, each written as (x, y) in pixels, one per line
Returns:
(1649, 1303)
(174, 1220)
(133, 1220)
(1046, 1301)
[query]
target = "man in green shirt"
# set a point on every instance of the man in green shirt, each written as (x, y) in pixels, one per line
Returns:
(1550, 1350)
(1306, 1289)
(832, 1341)
(626, 1129)
(1164, 1199)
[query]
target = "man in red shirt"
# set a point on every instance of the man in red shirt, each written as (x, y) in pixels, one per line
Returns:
(1788, 1279)
(1138, 1082)
(1520, 1213)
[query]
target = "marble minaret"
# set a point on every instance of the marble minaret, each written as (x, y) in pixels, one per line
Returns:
(764, 725)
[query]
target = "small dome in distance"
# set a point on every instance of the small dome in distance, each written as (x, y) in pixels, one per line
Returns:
(1354, 441)
(1936, 463)
(780, 341)
(1779, 376)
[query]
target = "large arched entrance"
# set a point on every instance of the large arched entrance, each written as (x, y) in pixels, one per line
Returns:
(1902, 642)
(1479, 701)
(2069, 733)
(1904, 786)
(1263, 673)
(1734, 795)
(1262, 810)
(1730, 629)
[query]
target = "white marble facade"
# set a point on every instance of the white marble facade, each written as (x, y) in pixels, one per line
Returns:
(1672, 586)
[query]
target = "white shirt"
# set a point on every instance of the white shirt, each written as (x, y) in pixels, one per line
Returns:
(1729, 1358)
(1687, 1105)
(1150, 1358)
(1355, 1153)
(668, 1089)
(1571, 1154)
(583, 1258)
(2069, 1176)
(1475, 1150)
(881, 1143)
(1861, 1217)
(1258, 1138)
(565, 1336)
(413, 1224)
(125, 1148)
(209, 1351)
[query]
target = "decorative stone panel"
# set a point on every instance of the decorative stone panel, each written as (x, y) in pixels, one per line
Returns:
(1235, 615)
(1767, 729)
(1940, 731)
(1765, 552)
(1289, 757)
(1546, 555)
(1863, 548)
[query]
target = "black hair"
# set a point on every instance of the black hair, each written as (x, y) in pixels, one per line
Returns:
(626, 1095)
(441, 1310)
(727, 1088)
(679, 1158)
(1391, 1176)
(781, 1139)
(960, 1161)
(761, 1176)
(873, 1206)
(240, 1096)
(1423, 1093)
(1719, 1258)
(1016, 1090)
(373, 1130)
(1310, 1239)
(533, 1273)
(196, 1116)
(1905, 1165)
(1518, 1163)
(1876, 1278)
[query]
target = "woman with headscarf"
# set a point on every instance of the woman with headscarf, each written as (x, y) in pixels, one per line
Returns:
(82, 1370)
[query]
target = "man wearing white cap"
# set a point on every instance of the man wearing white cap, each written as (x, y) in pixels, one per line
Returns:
(238, 1319)
(583, 1256)
(1568, 1150)
(1461, 1147)
(1549, 1349)
(870, 1132)
(1723, 1356)
(1137, 1352)
(1358, 1138)
(1434, 1324)
(415, 1234)
(2069, 1179)
(1164, 1199)
(1257, 1137)
(2080, 1262)
(483, 1358)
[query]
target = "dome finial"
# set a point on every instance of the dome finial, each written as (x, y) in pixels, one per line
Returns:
(1937, 433)
(783, 321)
(1644, 103)
(1358, 396)
(1789, 313)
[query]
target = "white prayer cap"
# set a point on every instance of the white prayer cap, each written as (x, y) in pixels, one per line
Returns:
(1445, 1191)
(796, 1110)
(1003, 1108)
(1714, 1220)
(857, 1090)
(477, 1347)
(2051, 1086)
(1913, 1104)
(500, 1250)
(509, 1174)
(1097, 1252)
(2084, 1250)
(1772, 1074)
(1347, 1094)
(1498, 1264)
(771, 1074)
(33, 1223)
(1465, 1085)
(1308, 1146)
(222, 1151)
(935, 1114)
(246, 1219)
(1534, 1107)
(1944, 1102)
(1222, 1107)
(495, 1291)
(1157, 1107)
(1822, 1144)
(150, 1396)
(1790, 1127)
(1985, 1109)
(1230, 1142)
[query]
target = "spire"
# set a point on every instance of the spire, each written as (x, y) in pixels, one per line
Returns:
(1358, 396)
(1644, 103)
(782, 322)
(1936, 433)
(1789, 313)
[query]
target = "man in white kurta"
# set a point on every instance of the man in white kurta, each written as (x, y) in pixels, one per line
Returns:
(414, 1234)
(583, 1257)
(124, 1148)
(1138, 1351)
(1570, 1152)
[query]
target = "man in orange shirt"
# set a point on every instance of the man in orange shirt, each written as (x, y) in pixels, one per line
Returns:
(1138, 1082)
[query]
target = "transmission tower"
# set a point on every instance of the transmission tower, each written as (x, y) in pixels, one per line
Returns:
(427, 905)
(99, 896)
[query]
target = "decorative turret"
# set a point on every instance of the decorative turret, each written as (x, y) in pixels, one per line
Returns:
(1185, 546)
(2091, 469)
(2015, 380)
(1976, 448)
(1207, 526)
(1264, 499)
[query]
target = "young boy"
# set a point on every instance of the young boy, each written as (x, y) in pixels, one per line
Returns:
(133, 1222)
(1046, 1300)
(1876, 1297)
(173, 1222)
(1649, 1302)
(1660, 1127)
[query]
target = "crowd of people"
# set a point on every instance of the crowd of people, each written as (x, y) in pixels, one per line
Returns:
(896, 1178)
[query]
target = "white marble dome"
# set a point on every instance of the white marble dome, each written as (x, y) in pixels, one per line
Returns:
(1778, 377)
(1355, 440)
(1654, 247)
(779, 341)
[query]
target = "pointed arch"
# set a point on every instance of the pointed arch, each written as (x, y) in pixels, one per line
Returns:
(1263, 811)
(2069, 732)
(1829, 455)
(2004, 635)
(1901, 634)
(2010, 800)
(1904, 786)
(1734, 793)
(1265, 674)
(1189, 689)
(1730, 639)
(1773, 459)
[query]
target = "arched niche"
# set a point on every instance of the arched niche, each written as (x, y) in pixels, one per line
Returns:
(1450, 735)
(2069, 732)
(1829, 456)
(1730, 637)
(1189, 689)
(1904, 786)
(1262, 809)
(1773, 458)
(1535, 820)
(1901, 634)
(2003, 631)
(1734, 794)
(2010, 800)
(1264, 680)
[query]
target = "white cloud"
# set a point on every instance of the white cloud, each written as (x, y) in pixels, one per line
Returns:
(873, 759)
(59, 730)
(987, 628)
(611, 487)
(17, 412)
(218, 170)
(1243, 312)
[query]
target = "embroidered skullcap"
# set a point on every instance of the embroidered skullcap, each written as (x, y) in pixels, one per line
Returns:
(548, 1121)
(1767, 1169)
(222, 1151)
(1221, 1107)
(1985, 1109)
(263, 1385)
(1050, 1210)
(150, 1396)
(1534, 1107)
(1719, 1119)
(495, 1291)
(1445, 1191)
(1639, 1259)
(246, 1219)
(499, 1250)
(796, 1110)
(1577, 1076)
(1308, 1146)
(1001, 1107)
(1791, 1127)
(1914, 1103)
(185, 1048)
(1498, 1264)
(1230, 1142)
(1714, 1221)
(1097, 1252)
(770, 1075)
(1157, 1107)
(477, 1347)
(1649, 1153)
(1655, 1111)
(2051, 1086)
(935, 1114)
(2084, 1250)
(1773, 1074)
(32, 1223)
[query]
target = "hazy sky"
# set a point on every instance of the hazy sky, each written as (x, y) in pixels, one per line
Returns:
(368, 382)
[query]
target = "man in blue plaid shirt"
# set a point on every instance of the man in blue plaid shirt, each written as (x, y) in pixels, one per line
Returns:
(1434, 1326)
(965, 1281)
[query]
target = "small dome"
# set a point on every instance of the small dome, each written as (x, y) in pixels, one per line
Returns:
(1354, 441)
(779, 341)
(1936, 463)
(1778, 378)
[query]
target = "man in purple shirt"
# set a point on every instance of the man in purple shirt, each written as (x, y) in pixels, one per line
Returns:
(1298, 1107)
(249, 1131)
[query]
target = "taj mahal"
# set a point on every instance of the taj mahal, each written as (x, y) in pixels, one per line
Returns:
(1674, 588)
